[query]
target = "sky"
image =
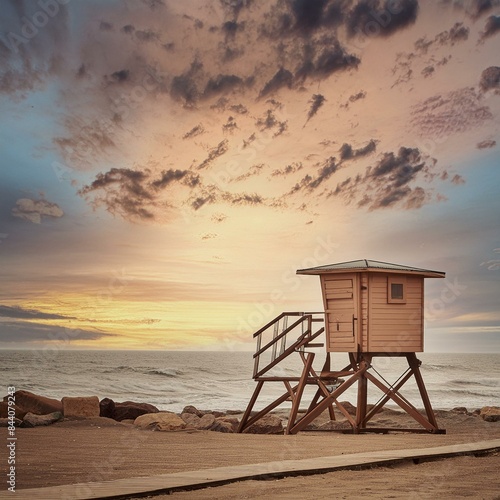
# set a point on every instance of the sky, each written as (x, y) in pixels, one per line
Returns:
(167, 166)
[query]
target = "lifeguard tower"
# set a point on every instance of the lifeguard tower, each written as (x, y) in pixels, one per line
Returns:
(371, 309)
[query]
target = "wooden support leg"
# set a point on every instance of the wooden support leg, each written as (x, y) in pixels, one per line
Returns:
(254, 397)
(361, 404)
(414, 363)
(300, 390)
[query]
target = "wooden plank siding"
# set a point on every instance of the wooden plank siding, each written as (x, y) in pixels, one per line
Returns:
(395, 327)
(340, 299)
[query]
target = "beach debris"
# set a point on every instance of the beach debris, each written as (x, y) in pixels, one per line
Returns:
(33, 403)
(160, 421)
(80, 407)
(268, 424)
(490, 413)
(128, 410)
(33, 420)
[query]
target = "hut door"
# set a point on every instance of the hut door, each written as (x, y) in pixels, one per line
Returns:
(340, 295)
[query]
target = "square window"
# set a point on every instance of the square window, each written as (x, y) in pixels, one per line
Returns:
(396, 289)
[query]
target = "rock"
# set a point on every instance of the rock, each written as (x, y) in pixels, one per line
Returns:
(268, 424)
(460, 409)
(206, 422)
(4, 410)
(225, 424)
(128, 410)
(6, 422)
(160, 421)
(33, 403)
(191, 419)
(32, 420)
(81, 407)
(107, 408)
(490, 413)
(193, 410)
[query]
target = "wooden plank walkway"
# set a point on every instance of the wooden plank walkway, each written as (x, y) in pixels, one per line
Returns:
(165, 483)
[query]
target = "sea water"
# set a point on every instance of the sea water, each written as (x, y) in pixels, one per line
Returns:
(222, 380)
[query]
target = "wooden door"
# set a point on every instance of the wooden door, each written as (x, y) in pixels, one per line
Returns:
(341, 307)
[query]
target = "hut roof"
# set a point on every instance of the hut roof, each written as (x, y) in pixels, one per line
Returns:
(364, 265)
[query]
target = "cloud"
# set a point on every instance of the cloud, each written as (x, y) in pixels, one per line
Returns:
(282, 78)
(33, 210)
(21, 313)
(492, 27)
(316, 102)
(347, 153)
(452, 112)
(457, 33)
(389, 183)
(214, 153)
(490, 79)
(27, 331)
(197, 130)
(487, 143)
(372, 18)
(222, 84)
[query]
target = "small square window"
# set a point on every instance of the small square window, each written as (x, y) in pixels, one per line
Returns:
(396, 290)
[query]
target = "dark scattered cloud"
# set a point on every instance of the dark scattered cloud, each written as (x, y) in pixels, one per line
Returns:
(448, 113)
(214, 153)
(474, 8)
(282, 78)
(105, 26)
(427, 71)
(184, 87)
(239, 108)
(170, 175)
(289, 169)
(22, 313)
(27, 331)
(316, 102)
(490, 79)
(34, 210)
(196, 130)
(309, 182)
(457, 33)
(375, 18)
(487, 143)
(213, 194)
(492, 27)
(251, 172)
(389, 182)
(356, 97)
(348, 153)
(230, 125)
(120, 76)
(221, 84)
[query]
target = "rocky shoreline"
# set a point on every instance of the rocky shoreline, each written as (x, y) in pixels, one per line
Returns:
(26, 409)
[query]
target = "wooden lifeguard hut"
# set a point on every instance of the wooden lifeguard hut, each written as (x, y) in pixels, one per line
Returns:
(371, 309)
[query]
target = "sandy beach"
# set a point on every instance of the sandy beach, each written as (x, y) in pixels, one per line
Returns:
(98, 449)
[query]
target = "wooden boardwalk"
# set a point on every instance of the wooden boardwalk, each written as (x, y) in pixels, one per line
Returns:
(165, 483)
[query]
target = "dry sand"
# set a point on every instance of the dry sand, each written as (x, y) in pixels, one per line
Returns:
(101, 449)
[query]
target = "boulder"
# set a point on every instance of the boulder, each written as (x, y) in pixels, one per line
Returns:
(160, 421)
(268, 424)
(490, 413)
(32, 420)
(4, 410)
(460, 409)
(350, 408)
(206, 422)
(81, 407)
(128, 410)
(225, 424)
(107, 408)
(193, 410)
(6, 422)
(33, 403)
(191, 420)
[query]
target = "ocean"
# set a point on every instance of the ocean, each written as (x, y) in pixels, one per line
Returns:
(222, 380)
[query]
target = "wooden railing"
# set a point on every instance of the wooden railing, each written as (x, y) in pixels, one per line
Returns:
(280, 330)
